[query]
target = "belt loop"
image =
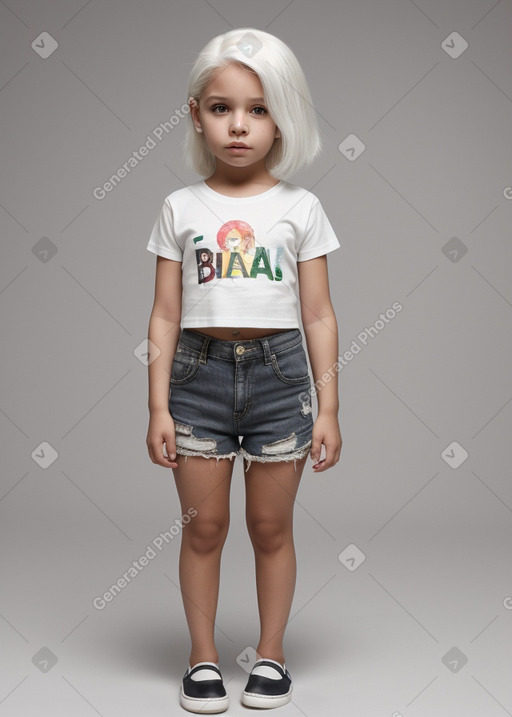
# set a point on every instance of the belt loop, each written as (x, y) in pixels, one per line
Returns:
(266, 350)
(204, 349)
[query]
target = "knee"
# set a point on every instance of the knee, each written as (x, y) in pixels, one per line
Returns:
(206, 536)
(268, 535)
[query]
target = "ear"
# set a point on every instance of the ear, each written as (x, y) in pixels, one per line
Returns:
(194, 113)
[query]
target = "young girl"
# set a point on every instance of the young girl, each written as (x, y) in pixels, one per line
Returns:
(226, 354)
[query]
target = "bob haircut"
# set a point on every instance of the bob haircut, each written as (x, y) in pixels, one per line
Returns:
(285, 91)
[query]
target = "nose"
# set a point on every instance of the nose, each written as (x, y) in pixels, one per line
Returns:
(238, 125)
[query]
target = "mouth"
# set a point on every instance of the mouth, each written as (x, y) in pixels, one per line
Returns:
(237, 145)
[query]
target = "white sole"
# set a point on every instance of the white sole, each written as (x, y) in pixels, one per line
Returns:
(251, 699)
(208, 706)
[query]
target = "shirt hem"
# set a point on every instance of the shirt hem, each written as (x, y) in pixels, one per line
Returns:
(163, 252)
(318, 251)
(231, 322)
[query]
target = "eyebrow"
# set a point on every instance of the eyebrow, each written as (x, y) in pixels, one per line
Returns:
(218, 97)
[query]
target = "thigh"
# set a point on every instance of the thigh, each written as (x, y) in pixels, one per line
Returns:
(203, 484)
(270, 490)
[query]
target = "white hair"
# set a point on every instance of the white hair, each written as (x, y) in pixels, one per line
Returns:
(286, 95)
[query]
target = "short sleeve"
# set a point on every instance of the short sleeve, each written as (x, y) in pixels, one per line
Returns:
(319, 237)
(163, 240)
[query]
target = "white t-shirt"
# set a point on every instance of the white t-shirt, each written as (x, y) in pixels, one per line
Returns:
(239, 254)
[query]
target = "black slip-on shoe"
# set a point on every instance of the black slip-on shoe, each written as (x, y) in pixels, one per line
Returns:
(269, 685)
(202, 689)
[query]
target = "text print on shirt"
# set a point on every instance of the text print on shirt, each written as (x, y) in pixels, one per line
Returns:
(239, 256)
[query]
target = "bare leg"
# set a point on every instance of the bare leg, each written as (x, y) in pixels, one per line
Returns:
(270, 494)
(203, 484)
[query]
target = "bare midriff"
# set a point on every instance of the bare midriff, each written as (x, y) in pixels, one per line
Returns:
(229, 333)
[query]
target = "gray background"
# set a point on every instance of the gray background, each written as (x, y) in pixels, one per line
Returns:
(423, 625)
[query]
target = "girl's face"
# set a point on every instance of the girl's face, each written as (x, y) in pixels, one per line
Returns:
(232, 110)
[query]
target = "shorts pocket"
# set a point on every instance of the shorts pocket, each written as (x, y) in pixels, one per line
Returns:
(291, 365)
(184, 366)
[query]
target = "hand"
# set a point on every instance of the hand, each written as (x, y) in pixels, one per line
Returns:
(327, 431)
(161, 430)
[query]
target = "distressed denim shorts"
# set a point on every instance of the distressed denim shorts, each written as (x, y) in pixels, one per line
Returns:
(256, 390)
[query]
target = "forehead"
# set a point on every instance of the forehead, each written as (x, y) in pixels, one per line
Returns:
(235, 79)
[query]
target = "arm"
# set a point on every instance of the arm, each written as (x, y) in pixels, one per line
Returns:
(321, 331)
(164, 332)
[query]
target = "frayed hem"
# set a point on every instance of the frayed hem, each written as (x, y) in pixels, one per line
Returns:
(188, 452)
(295, 456)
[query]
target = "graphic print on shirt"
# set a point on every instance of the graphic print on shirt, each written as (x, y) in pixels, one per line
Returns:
(239, 257)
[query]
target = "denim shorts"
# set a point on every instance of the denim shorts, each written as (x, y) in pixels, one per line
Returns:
(258, 390)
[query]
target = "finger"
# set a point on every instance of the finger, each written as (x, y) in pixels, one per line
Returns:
(331, 458)
(316, 448)
(158, 453)
(170, 447)
(327, 461)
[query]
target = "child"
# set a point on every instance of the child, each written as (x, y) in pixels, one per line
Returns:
(232, 249)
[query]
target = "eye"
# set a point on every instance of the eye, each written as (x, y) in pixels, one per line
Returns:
(218, 109)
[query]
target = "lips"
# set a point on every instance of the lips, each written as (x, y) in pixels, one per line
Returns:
(237, 145)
